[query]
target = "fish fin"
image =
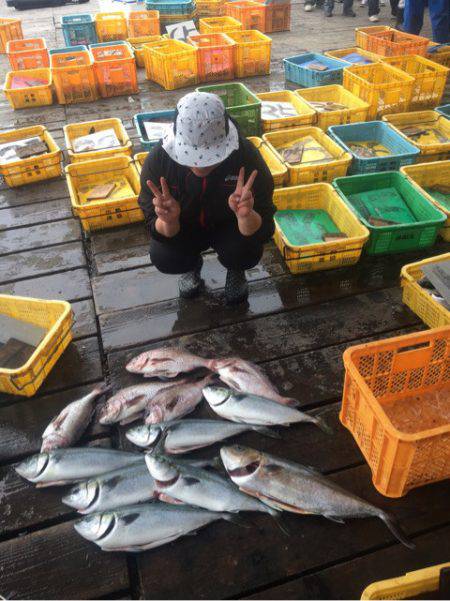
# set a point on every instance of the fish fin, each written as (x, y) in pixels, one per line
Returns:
(290, 402)
(267, 432)
(393, 525)
(137, 399)
(236, 519)
(313, 470)
(278, 518)
(54, 483)
(321, 423)
(190, 481)
(168, 499)
(273, 469)
(334, 518)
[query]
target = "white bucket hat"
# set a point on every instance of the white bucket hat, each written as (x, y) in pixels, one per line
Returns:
(203, 134)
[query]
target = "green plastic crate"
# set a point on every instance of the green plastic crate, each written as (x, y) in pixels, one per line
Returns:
(421, 219)
(242, 105)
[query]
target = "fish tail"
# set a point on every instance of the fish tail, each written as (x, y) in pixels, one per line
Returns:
(101, 389)
(266, 431)
(236, 519)
(279, 522)
(393, 525)
(320, 423)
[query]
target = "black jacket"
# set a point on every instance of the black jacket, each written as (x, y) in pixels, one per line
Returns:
(204, 201)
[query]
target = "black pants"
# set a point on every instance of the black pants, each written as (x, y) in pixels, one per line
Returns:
(234, 250)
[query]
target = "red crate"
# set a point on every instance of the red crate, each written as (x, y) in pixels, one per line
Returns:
(27, 54)
(215, 56)
(278, 17)
(115, 69)
(251, 14)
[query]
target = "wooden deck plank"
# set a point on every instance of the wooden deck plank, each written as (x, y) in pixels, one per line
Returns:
(31, 194)
(352, 577)
(85, 320)
(37, 236)
(52, 210)
(57, 562)
(71, 286)
(41, 261)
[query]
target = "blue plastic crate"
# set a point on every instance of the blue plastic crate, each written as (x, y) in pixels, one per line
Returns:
(69, 49)
(444, 110)
(402, 151)
(172, 7)
(296, 70)
(139, 120)
(79, 30)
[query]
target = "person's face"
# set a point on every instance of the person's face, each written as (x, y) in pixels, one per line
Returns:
(203, 171)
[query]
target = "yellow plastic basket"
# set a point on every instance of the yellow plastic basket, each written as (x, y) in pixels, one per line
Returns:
(26, 97)
(32, 169)
(306, 114)
(324, 255)
(357, 109)
(339, 53)
(441, 56)
(138, 46)
(100, 214)
(429, 79)
(76, 130)
(418, 300)
(362, 34)
(111, 26)
(143, 23)
(210, 8)
(221, 24)
(426, 175)
(10, 29)
(252, 52)
(312, 173)
(139, 160)
(57, 318)
(385, 88)
(171, 63)
(410, 586)
(429, 152)
(277, 168)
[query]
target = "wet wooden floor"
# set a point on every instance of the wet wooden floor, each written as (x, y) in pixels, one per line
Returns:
(295, 327)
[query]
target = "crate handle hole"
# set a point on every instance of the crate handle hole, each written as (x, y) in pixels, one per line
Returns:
(414, 347)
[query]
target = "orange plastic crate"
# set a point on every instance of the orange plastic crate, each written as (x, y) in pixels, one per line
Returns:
(252, 52)
(111, 27)
(210, 8)
(251, 14)
(115, 69)
(73, 76)
(171, 63)
(143, 23)
(380, 373)
(10, 29)
(31, 53)
(362, 34)
(215, 56)
(278, 17)
(396, 43)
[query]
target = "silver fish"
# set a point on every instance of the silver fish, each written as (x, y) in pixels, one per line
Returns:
(248, 378)
(165, 363)
(198, 487)
(182, 436)
(63, 466)
(175, 401)
(145, 526)
(256, 410)
(289, 486)
(129, 403)
(67, 427)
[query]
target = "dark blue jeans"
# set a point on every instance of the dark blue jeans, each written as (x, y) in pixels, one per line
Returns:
(439, 16)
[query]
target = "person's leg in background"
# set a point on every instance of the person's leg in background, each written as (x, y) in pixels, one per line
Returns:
(328, 6)
(347, 9)
(440, 20)
(236, 253)
(374, 9)
(413, 16)
(394, 8)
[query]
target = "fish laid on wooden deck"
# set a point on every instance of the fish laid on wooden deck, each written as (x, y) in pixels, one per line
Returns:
(166, 362)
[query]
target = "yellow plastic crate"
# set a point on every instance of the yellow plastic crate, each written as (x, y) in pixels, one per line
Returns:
(431, 151)
(441, 56)
(385, 88)
(171, 63)
(418, 300)
(32, 169)
(323, 255)
(410, 586)
(100, 214)
(143, 23)
(251, 14)
(211, 8)
(111, 26)
(22, 98)
(221, 24)
(139, 160)
(252, 52)
(426, 175)
(138, 46)
(357, 109)
(313, 173)
(362, 34)
(341, 52)
(306, 114)
(57, 318)
(429, 79)
(10, 29)
(76, 130)
(177, 18)
(277, 168)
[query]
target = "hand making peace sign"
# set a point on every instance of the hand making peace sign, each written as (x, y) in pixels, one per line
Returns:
(241, 201)
(166, 207)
